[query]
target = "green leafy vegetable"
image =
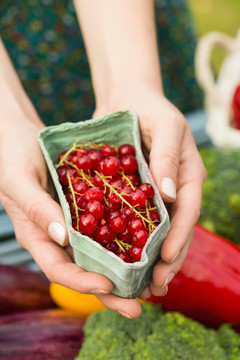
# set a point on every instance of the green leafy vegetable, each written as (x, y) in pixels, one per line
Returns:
(220, 210)
(155, 335)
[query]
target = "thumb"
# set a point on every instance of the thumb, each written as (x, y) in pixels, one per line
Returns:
(164, 161)
(40, 208)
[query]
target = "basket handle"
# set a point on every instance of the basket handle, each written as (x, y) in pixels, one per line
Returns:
(204, 73)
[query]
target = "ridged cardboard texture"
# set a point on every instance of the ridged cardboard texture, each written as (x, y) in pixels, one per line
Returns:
(129, 279)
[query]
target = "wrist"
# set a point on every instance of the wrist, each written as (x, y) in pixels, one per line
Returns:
(127, 96)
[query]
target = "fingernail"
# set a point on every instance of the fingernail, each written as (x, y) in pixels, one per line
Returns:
(169, 278)
(125, 315)
(99, 291)
(57, 232)
(165, 292)
(168, 187)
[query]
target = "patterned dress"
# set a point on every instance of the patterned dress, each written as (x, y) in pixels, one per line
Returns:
(44, 41)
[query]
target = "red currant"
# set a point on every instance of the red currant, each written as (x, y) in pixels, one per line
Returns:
(94, 193)
(125, 236)
(100, 166)
(111, 165)
(75, 155)
(81, 201)
(118, 224)
(114, 201)
(139, 238)
(117, 183)
(87, 224)
(84, 162)
(147, 189)
(107, 150)
(125, 192)
(112, 214)
(80, 187)
(129, 164)
(96, 157)
(135, 225)
(106, 208)
(116, 177)
(62, 175)
(97, 181)
(137, 198)
(126, 149)
(128, 213)
(135, 253)
(124, 256)
(95, 208)
(134, 178)
(113, 247)
(104, 234)
(69, 197)
(154, 216)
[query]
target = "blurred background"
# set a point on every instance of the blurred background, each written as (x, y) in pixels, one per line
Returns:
(216, 15)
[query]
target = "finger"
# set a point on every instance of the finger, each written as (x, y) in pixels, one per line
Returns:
(130, 308)
(59, 269)
(156, 291)
(145, 294)
(54, 261)
(163, 273)
(185, 213)
(164, 156)
(39, 207)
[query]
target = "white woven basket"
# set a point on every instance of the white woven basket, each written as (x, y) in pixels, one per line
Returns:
(219, 93)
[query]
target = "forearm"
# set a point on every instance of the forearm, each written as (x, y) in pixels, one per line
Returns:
(120, 39)
(14, 102)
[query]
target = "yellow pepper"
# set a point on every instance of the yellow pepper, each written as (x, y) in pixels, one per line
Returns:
(82, 304)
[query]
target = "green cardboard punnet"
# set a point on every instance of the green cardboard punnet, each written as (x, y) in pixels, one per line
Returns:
(129, 279)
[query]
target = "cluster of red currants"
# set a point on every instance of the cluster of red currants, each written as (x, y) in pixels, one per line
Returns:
(106, 198)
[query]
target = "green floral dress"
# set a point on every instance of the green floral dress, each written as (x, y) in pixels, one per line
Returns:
(45, 44)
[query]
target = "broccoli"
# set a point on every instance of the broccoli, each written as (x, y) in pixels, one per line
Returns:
(155, 335)
(221, 192)
(230, 341)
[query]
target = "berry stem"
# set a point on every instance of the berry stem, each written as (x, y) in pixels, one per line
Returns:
(82, 174)
(124, 177)
(77, 146)
(122, 198)
(74, 199)
(65, 156)
(122, 245)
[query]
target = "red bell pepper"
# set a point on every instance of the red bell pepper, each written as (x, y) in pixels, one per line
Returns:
(207, 288)
(236, 108)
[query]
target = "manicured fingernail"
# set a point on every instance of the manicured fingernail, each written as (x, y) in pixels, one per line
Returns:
(165, 291)
(125, 315)
(168, 187)
(169, 279)
(99, 291)
(57, 232)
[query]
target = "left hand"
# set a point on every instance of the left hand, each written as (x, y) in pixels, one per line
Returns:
(177, 169)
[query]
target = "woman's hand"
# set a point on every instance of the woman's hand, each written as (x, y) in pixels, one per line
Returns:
(38, 219)
(176, 167)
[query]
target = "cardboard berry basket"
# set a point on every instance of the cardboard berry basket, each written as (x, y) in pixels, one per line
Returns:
(129, 279)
